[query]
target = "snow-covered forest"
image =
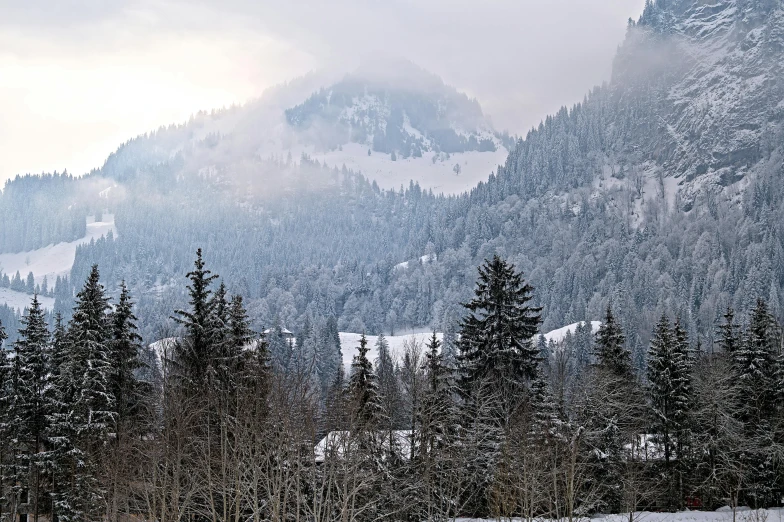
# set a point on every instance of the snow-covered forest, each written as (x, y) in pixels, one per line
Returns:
(223, 424)
(418, 316)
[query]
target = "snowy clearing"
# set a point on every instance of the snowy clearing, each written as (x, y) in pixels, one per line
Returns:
(438, 176)
(20, 300)
(559, 334)
(349, 345)
(54, 260)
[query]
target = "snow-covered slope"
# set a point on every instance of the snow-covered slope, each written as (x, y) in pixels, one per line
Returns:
(349, 344)
(437, 175)
(55, 260)
(559, 334)
(20, 300)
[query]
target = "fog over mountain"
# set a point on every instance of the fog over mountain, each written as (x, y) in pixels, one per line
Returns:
(85, 76)
(580, 318)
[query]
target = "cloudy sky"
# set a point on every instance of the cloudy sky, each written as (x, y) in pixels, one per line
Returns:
(78, 77)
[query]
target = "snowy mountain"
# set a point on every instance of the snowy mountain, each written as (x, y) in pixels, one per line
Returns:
(661, 191)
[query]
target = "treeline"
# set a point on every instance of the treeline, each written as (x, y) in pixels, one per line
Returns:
(40, 210)
(28, 284)
(217, 426)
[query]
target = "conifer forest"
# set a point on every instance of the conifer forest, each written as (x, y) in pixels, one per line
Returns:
(358, 297)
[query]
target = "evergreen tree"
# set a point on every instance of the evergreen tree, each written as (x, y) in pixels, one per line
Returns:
(363, 395)
(496, 340)
(669, 377)
(389, 390)
(729, 336)
(609, 348)
(30, 405)
(90, 415)
(5, 418)
(754, 364)
(193, 354)
(127, 391)
(335, 403)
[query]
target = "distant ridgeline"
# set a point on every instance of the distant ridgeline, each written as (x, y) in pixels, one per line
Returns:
(36, 211)
(661, 191)
(390, 118)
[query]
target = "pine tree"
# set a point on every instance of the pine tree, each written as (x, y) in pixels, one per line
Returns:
(193, 354)
(335, 403)
(30, 405)
(609, 348)
(496, 340)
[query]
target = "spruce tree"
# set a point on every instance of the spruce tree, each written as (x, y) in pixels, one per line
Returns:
(388, 385)
(669, 377)
(5, 418)
(609, 349)
(729, 336)
(193, 354)
(91, 414)
(32, 358)
(363, 395)
(754, 364)
(496, 341)
(125, 345)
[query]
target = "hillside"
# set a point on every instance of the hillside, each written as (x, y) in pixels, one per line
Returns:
(661, 191)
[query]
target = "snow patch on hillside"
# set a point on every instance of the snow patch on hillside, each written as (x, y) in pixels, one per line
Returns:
(559, 334)
(55, 260)
(438, 176)
(20, 300)
(349, 345)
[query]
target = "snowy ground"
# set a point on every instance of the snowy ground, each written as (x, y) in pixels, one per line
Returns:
(54, 260)
(743, 514)
(349, 344)
(439, 176)
(20, 300)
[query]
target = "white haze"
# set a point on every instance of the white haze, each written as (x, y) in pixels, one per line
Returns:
(78, 77)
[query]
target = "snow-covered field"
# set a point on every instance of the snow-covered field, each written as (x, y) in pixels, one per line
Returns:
(349, 345)
(559, 334)
(54, 260)
(349, 342)
(743, 514)
(20, 300)
(439, 176)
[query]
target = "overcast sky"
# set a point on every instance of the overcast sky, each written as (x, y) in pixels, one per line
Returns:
(79, 77)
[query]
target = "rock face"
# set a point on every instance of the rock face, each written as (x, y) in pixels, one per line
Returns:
(714, 75)
(696, 96)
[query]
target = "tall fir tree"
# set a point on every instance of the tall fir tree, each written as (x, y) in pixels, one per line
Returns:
(125, 344)
(496, 340)
(367, 412)
(389, 390)
(92, 413)
(193, 354)
(609, 349)
(669, 378)
(31, 407)
(729, 334)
